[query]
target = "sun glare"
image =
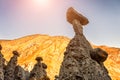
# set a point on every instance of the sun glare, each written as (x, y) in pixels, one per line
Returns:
(41, 2)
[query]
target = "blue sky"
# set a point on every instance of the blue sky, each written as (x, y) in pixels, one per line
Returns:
(19, 18)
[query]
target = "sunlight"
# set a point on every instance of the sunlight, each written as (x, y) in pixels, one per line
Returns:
(41, 2)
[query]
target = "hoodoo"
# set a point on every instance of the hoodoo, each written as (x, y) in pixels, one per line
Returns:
(78, 63)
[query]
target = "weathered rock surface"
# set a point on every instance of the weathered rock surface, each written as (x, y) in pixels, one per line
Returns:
(2, 60)
(50, 48)
(20, 73)
(38, 72)
(113, 61)
(12, 71)
(77, 63)
(10, 68)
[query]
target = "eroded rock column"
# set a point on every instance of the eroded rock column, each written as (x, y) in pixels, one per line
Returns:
(10, 68)
(38, 72)
(78, 63)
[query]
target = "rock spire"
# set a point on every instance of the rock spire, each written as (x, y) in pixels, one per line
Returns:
(79, 62)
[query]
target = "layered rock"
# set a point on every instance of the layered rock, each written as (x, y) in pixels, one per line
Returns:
(78, 64)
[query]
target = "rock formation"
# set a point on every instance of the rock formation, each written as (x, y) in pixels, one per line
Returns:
(2, 61)
(10, 68)
(99, 55)
(51, 49)
(12, 71)
(38, 72)
(78, 64)
(19, 73)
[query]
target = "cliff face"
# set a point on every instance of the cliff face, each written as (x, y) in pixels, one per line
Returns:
(51, 49)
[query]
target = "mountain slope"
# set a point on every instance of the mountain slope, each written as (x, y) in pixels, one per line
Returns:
(51, 49)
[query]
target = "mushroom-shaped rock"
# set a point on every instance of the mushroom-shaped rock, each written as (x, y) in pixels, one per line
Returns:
(77, 63)
(73, 14)
(39, 59)
(10, 68)
(77, 20)
(38, 72)
(16, 53)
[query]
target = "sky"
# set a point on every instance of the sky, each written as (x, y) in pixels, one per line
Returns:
(20, 18)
